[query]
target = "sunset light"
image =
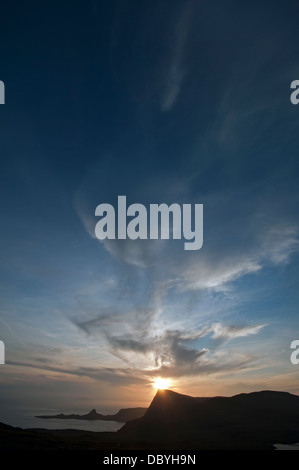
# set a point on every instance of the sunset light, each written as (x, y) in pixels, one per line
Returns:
(161, 384)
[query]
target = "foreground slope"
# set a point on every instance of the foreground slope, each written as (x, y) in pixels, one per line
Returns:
(253, 420)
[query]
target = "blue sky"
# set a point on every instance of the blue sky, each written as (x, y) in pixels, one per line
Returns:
(185, 102)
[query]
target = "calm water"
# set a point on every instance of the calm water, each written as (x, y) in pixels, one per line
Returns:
(286, 446)
(26, 419)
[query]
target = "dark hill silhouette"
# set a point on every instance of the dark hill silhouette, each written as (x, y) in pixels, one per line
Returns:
(173, 421)
(122, 416)
(253, 420)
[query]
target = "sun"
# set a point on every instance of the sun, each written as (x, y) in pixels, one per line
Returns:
(161, 384)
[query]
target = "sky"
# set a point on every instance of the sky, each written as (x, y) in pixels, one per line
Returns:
(164, 102)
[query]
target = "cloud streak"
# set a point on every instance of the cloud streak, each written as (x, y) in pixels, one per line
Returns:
(178, 353)
(175, 73)
(170, 354)
(230, 332)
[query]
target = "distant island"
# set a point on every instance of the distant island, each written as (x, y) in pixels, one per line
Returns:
(122, 416)
(248, 421)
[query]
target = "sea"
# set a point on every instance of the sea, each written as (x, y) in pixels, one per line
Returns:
(26, 419)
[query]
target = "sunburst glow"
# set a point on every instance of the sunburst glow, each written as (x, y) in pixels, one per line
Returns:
(161, 384)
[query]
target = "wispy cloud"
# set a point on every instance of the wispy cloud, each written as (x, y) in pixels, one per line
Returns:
(113, 375)
(219, 364)
(175, 73)
(251, 238)
(235, 331)
(271, 246)
(171, 354)
(216, 276)
(178, 353)
(279, 242)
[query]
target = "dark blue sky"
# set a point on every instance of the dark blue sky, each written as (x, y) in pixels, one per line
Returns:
(184, 102)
